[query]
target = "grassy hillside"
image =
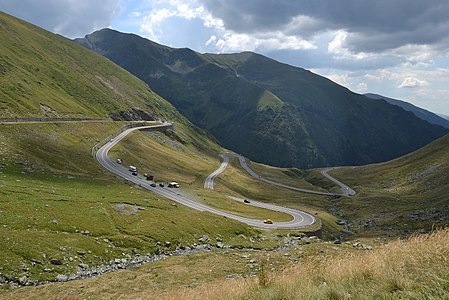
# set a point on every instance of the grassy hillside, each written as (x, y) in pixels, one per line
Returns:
(58, 212)
(268, 111)
(45, 75)
(400, 196)
(416, 268)
(56, 202)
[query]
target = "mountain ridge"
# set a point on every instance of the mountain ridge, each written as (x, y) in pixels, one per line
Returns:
(421, 113)
(304, 120)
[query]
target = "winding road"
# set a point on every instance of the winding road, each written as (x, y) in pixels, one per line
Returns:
(209, 183)
(300, 219)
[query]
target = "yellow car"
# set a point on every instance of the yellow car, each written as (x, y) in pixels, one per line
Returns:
(268, 221)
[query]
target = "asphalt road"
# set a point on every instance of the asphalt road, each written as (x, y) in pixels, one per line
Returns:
(347, 191)
(300, 219)
(209, 183)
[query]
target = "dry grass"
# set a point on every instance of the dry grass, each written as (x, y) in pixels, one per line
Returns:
(416, 268)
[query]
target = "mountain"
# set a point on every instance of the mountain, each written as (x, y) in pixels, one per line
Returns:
(269, 111)
(46, 75)
(444, 116)
(419, 112)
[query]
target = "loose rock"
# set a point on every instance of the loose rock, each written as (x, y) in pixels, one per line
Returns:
(61, 278)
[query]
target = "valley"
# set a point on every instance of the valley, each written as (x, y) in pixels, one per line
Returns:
(262, 108)
(251, 179)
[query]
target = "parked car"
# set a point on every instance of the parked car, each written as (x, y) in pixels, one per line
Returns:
(268, 221)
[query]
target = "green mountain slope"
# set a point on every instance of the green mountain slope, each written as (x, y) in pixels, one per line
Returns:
(400, 196)
(271, 112)
(57, 204)
(45, 75)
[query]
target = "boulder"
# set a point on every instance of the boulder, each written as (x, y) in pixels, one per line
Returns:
(61, 278)
(204, 239)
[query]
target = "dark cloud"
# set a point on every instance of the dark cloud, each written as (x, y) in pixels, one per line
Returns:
(374, 25)
(71, 18)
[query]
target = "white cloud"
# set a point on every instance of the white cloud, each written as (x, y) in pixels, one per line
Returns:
(341, 79)
(212, 40)
(223, 40)
(412, 82)
(151, 23)
(361, 88)
(338, 48)
(231, 41)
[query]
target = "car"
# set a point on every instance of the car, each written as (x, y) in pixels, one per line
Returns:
(161, 184)
(134, 173)
(132, 169)
(153, 185)
(119, 160)
(246, 201)
(173, 185)
(268, 221)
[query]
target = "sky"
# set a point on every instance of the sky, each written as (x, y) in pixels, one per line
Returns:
(396, 48)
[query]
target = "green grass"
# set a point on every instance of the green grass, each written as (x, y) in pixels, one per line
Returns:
(40, 69)
(45, 211)
(172, 276)
(219, 201)
(289, 176)
(398, 197)
(169, 157)
(269, 100)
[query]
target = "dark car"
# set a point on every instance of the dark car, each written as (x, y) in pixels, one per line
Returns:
(134, 173)
(246, 201)
(161, 184)
(153, 185)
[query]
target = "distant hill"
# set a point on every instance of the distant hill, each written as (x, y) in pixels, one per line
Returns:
(419, 112)
(269, 111)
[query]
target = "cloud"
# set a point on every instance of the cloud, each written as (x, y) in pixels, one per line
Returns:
(70, 18)
(223, 39)
(371, 26)
(341, 79)
(411, 82)
(150, 24)
(361, 88)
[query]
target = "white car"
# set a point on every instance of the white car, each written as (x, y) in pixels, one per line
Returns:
(173, 185)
